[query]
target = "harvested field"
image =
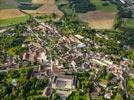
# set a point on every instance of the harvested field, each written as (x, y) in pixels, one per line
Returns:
(98, 19)
(10, 13)
(40, 1)
(49, 7)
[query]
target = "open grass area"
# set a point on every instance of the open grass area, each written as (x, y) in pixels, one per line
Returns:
(130, 23)
(66, 9)
(5, 4)
(13, 21)
(99, 6)
(10, 4)
(63, 5)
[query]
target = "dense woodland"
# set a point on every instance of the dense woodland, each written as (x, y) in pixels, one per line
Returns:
(81, 6)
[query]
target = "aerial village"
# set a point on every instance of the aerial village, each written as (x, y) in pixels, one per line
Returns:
(58, 57)
(66, 50)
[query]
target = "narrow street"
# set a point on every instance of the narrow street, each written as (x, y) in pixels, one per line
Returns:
(123, 85)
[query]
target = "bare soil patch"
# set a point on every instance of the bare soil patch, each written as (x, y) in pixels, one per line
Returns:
(99, 19)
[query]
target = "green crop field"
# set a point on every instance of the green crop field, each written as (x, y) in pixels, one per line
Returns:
(13, 21)
(108, 8)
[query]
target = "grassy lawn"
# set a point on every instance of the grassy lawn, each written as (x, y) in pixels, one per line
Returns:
(13, 21)
(99, 6)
